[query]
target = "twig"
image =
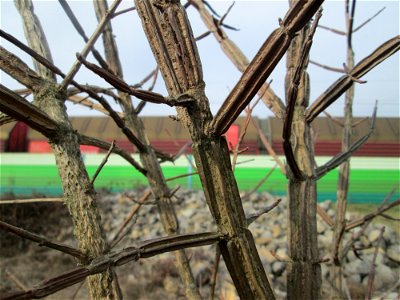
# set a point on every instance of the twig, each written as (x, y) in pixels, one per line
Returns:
(104, 161)
(43, 241)
(16, 280)
(34, 200)
(268, 146)
(368, 20)
(337, 31)
(123, 11)
(322, 213)
(252, 217)
(146, 249)
(371, 275)
(182, 176)
(248, 194)
(213, 282)
(134, 210)
(85, 51)
(338, 70)
(75, 22)
(334, 120)
(77, 290)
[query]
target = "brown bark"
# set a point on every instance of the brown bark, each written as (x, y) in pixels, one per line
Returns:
(172, 42)
(79, 195)
(148, 159)
(303, 270)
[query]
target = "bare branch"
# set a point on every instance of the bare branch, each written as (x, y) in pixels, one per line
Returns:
(134, 210)
(16, 280)
(34, 200)
(100, 264)
(233, 52)
(371, 275)
(368, 20)
(103, 162)
(181, 176)
(337, 31)
(338, 70)
(254, 216)
(42, 241)
(88, 103)
(215, 269)
(86, 140)
(341, 157)
(123, 11)
(85, 51)
(334, 120)
(345, 82)
(75, 22)
(322, 213)
(265, 178)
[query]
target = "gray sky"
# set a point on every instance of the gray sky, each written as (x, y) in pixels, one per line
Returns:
(256, 20)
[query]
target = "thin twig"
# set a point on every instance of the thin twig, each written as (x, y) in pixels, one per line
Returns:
(254, 216)
(102, 164)
(134, 210)
(77, 290)
(16, 280)
(123, 11)
(368, 20)
(371, 275)
(337, 31)
(214, 275)
(182, 176)
(43, 241)
(265, 178)
(333, 69)
(85, 51)
(34, 200)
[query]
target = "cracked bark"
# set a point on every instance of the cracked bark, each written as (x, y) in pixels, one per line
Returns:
(170, 36)
(79, 195)
(303, 270)
(148, 159)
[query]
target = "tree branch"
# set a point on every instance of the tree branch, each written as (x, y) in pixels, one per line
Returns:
(345, 82)
(342, 157)
(146, 249)
(262, 65)
(42, 241)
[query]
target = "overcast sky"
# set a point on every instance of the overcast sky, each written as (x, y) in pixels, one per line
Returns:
(256, 20)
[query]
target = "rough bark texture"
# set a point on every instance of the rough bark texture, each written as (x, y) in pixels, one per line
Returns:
(79, 195)
(148, 159)
(171, 39)
(304, 273)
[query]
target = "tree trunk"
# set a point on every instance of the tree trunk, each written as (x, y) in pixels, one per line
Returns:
(79, 195)
(170, 36)
(303, 272)
(148, 159)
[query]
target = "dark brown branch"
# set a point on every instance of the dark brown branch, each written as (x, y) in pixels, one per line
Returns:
(345, 82)
(103, 162)
(122, 86)
(262, 65)
(237, 57)
(371, 275)
(17, 107)
(342, 157)
(292, 98)
(146, 249)
(42, 241)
